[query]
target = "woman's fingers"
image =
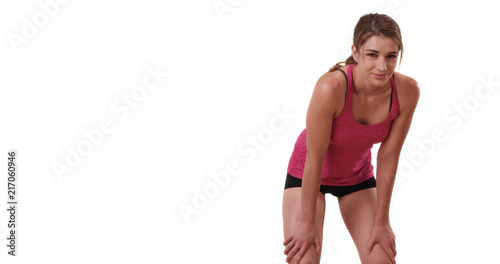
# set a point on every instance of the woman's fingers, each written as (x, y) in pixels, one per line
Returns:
(390, 252)
(288, 243)
(392, 247)
(297, 243)
(288, 239)
(297, 251)
(288, 247)
(292, 253)
(291, 248)
(298, 254)
(318, 246)
(370, 245)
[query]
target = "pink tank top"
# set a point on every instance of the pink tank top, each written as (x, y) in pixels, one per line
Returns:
(348, 157)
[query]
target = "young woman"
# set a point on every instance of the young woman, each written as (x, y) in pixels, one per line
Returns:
(352, 107)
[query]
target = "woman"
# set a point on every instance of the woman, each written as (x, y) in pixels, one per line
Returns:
(352, 107)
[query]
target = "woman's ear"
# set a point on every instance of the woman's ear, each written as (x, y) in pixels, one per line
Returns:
(354, 53)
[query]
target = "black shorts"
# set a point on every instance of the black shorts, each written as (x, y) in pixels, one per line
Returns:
(337, 191)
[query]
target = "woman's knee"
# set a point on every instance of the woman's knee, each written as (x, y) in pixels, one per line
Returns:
(291, 200)
(311, 256)
(377, 256)
(307, 259)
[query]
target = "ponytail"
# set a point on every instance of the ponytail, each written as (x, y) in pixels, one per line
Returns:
(337, 66)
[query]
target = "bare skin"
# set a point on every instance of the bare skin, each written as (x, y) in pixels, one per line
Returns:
(366, 212)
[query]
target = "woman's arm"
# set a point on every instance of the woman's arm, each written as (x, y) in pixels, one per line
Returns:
(387, 163)
(390, 148)
(325, 99)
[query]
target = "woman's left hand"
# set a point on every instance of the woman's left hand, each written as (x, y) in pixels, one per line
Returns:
(383, 235)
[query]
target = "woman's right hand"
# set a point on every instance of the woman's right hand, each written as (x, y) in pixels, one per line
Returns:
(303, 235)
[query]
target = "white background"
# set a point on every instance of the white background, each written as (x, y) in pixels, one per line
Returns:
(229, 72)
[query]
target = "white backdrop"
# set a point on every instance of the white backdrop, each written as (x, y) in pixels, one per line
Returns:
(144, 129)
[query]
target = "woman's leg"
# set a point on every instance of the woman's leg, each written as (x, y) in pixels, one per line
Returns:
(291, 210)
(358, 210)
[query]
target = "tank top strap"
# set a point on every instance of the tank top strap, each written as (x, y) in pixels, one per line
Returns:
(394, 93)
(346, 82)
(345, 75)
(348, 101)
(393, 81)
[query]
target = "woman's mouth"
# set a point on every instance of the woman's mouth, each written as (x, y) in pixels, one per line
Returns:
(380, 76)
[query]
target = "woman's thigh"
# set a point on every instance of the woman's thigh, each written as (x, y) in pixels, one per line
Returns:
(358, 210)
(291, 211)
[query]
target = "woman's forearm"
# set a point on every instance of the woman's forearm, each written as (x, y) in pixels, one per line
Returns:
(387, 166)
(385, 184)
(311, 181)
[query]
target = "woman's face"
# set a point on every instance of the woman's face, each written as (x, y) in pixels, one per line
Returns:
(377, 59)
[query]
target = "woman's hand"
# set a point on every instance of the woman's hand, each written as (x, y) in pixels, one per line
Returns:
(303, 235)
(383, 235)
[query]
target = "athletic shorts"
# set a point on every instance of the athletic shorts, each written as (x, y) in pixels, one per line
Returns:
(338, 191)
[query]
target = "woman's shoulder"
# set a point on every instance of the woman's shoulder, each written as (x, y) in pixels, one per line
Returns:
(336, 79)
(331, 88)
(408, 90)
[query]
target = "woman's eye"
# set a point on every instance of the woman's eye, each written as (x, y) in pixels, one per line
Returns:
(375, 55)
